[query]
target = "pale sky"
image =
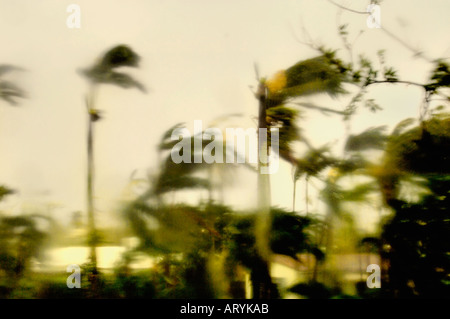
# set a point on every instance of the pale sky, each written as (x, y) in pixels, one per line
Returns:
(197, 62)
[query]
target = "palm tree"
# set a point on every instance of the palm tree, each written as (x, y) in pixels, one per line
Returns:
(312, 76)
(104, 71)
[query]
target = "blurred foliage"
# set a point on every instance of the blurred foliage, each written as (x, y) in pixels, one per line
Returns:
(188, 174)
(314, 162)
(313, 290)
(199, 233)
(421, 150)
(202, 251)
(4, 191)
(312, 76)
(20, 241)
(10, 92)
(372, 138)
(104, 71)
(418, 246)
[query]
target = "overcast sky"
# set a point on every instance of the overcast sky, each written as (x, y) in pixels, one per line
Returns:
(197, 62)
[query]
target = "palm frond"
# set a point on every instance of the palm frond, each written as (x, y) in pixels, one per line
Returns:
(372, 138)
(283, 118)
(400, 127)
(312, 76)
(359, 192)
(120, 56)
(314, 162)
(322, 109)
(172, 182)
(5, 68)
(10, 92)
(4, 191)
(104, 71)
(125, 81)
(166, 142)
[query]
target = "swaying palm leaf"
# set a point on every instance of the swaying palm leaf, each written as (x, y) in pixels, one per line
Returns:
(400, 127)
(182, 175)
(5, 68)
(104, 72)
(423, 149)
(166, 142)
(359, 192)
(120, 56)
(372, 138)
(9, 92)
(312, 76)
(284, 118)
(4, 191)
(314, 162)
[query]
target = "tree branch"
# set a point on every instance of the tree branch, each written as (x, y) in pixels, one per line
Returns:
(347, 9)
(320, 108)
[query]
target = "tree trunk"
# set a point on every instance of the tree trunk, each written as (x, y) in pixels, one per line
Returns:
(262, 283)
(293, 195)
(90, 194)
(93, 275)
(306, 195)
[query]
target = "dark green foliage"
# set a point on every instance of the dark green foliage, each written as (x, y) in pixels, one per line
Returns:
(319, 72)
(120, 56)
(424, 149)
(59, 290)
(20, 239)
(419, 244)
(134, 286)
(351, 164)
(177, 228)
(440, 77)
(322, 74)
(312, 290)
(284, 118)
(288, 237)
(416, 239)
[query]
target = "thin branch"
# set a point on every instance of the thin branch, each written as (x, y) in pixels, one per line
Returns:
(389, 33)
(320, 108)
(255, 66)
(424, 86)
(406, 45)
(396, 81)
(348, 9)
